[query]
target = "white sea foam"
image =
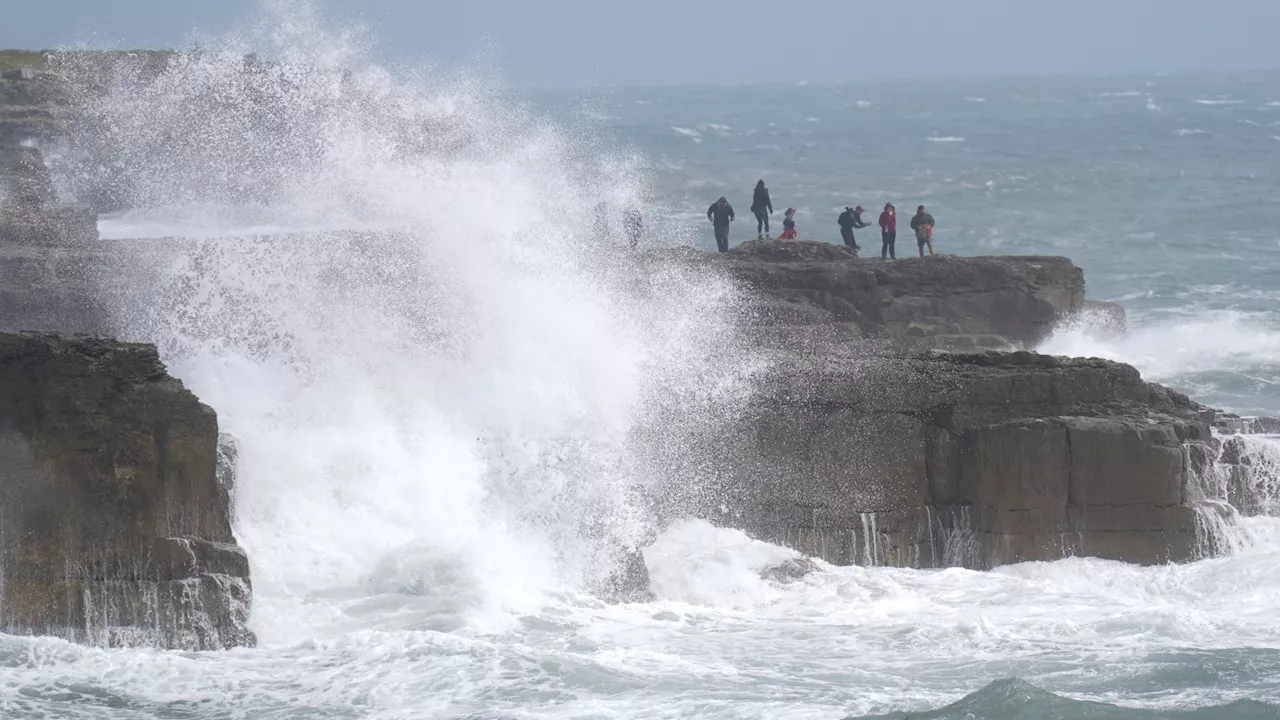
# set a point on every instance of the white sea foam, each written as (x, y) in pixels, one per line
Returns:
(1206, 342)
(441, 390)
(690, 133)
(945, 139)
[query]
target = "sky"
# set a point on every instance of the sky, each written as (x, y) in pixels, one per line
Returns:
(696, 42)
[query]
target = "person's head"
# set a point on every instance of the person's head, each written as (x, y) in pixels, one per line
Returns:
(760, 184)
(888, 207)
(791, 211)
(920, 209)
(858, 209)
(723, 199)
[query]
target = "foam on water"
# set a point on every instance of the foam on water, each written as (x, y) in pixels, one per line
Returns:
(1226, 358)
(443, 389)
(435, 376)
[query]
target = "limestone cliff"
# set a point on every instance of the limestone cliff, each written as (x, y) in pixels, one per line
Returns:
(114, 528)
(862, 445)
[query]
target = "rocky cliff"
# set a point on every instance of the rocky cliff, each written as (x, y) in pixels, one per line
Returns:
(114, 528)
(946, 301)
(864, 445)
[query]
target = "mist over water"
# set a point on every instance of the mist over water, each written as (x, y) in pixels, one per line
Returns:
(391, 293)
(448, 393)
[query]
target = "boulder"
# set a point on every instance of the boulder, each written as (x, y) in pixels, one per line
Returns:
(114, 529)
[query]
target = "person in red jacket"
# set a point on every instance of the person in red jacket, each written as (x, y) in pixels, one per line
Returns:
(888, 231)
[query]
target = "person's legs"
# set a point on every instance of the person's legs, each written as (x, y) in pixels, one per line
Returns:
(722, 238)
(762, 223)
(847, 234)
(884, 245)
(920, 242)
(930, 244)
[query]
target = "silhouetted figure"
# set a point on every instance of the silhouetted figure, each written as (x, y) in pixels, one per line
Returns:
(762, 207)
(600, 221)
(721, 214)
(922, 223)
(888, 231)
(634, 226)
(850, 220)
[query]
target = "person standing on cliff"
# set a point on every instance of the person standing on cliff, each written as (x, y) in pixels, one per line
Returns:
(634, 226)
(848, 221)
(922, 223)
(888, 231)
(721, 214)
(762, 208)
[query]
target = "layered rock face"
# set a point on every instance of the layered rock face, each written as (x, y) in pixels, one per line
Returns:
(114, 528)
(943, 301)
(48, 250)
(977, 460)
(863, 446)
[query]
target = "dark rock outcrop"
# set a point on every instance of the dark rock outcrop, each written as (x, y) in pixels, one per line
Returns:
(941, 301)
(114, 529)
(861, 446)
(978, 460)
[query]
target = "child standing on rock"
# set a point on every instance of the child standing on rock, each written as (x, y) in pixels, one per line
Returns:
(789, 225)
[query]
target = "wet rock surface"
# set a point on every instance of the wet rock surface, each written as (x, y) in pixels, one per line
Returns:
(113, 527)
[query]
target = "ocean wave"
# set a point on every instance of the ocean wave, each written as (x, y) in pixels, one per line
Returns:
(1126, 93)
(1184, 132)
(1011, 699)
(1226, 358)
(1219, 102)
(975, 99)
(864, 104)
(690, 133)
(945, 139)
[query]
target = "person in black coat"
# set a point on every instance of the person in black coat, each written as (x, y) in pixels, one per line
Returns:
(721, 214)
(762, 207)
(850, 220)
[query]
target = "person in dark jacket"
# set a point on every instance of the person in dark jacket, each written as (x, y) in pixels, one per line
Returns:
(922, 223)
(634, 226)
(850, 220)
(762, 207)
(888, 231)
(721, 214)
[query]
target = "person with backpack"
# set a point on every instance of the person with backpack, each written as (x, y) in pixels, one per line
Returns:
(848, 221)
(721, 214)
(762, 208)
(922, 223)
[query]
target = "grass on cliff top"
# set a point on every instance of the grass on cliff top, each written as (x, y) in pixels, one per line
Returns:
(39, 59)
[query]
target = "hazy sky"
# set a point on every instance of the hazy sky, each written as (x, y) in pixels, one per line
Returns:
(572, 42)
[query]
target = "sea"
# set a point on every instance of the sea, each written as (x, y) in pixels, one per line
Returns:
(391, 288)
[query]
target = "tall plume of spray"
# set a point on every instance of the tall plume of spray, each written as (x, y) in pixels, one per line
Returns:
(443, 382)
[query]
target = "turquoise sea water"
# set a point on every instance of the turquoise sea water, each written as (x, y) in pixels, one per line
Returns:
(1163, 188)
(436, 425)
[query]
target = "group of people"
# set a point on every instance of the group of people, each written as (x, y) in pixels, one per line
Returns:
(720, 214)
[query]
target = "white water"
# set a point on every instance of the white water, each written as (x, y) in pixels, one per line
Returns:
(440, 425)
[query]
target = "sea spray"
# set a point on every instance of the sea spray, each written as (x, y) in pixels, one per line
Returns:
(442, 385)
